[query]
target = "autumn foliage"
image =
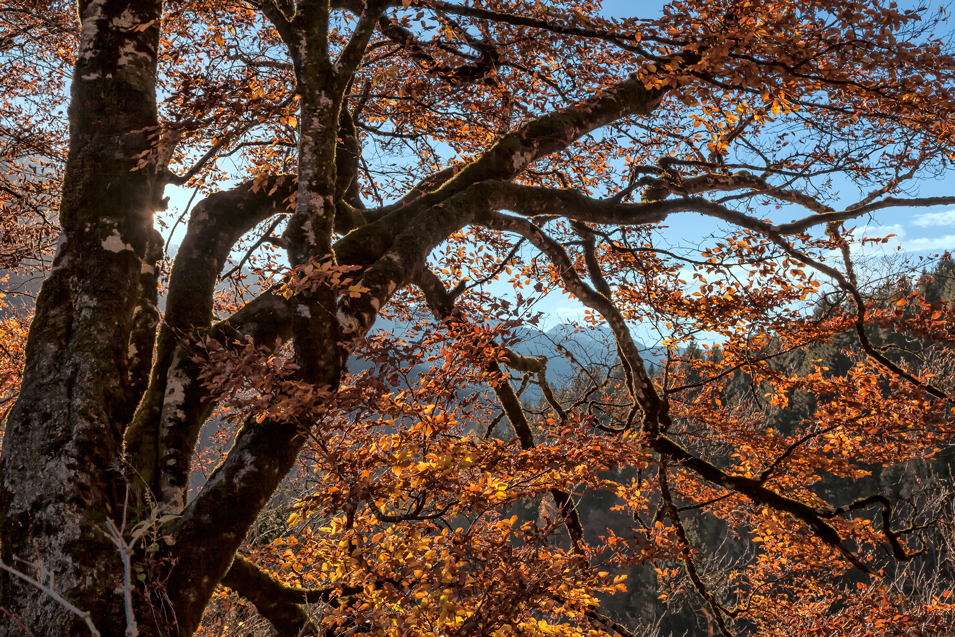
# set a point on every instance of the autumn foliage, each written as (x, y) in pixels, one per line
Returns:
(331, 419)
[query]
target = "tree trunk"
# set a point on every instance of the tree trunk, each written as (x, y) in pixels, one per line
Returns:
(59, 478)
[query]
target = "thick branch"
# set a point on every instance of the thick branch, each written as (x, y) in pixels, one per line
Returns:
(214, 525)
(507, 158)
(348, 213)
(891, 202)
(619, 40)
(278, 603)
(405, 259)
(142, 338)
(164, 431)
(355, 49)
(739, 181)
(277, 17)
(571, 204)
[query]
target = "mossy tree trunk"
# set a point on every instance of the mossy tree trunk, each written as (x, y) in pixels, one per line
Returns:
(91, 340)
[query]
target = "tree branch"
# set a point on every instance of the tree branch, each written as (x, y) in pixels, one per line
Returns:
(656, 419)
(442, 304)
(540, 137)
(84, 615)
(277, 602)
(353, 52)
(214, 525)
(277, 17)
(162, 436)
(479, 71)
(860, 322)
(686, 549)
(618, 40)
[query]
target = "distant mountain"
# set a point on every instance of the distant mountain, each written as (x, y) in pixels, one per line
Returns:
(566, 347)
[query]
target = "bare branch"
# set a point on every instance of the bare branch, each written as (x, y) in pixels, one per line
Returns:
(84, 615)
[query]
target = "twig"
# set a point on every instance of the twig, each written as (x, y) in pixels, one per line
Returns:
(126, 550)
(84, 615)
(180, 219)
(17, 621)
(265, 237)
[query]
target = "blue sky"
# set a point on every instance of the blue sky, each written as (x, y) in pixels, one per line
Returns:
(918, 231)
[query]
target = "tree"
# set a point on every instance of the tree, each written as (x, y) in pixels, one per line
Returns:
(474, 127)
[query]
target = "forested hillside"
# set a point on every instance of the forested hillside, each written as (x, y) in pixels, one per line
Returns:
(665, 603)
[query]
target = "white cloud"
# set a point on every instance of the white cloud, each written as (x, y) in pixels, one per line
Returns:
(930, 219)
(566, 311)
(876, 230)
(946, 242)
(857, 249)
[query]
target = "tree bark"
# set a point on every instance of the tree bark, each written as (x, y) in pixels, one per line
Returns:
(59, 477)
